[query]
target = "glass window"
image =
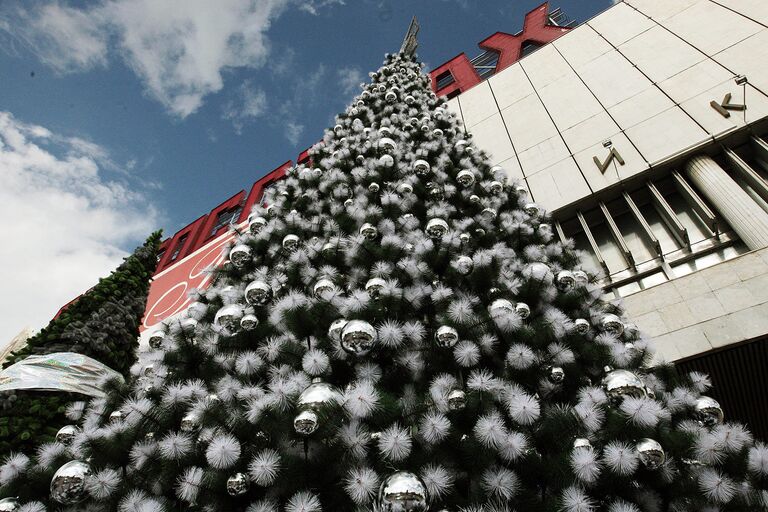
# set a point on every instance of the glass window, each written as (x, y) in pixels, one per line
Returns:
(444, 79)
(179, 247)
(226, 217)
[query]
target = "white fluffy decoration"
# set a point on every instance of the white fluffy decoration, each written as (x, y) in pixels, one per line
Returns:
(303, 501)
(620, 458)
(264, 467)
(223, 451)
(437, 479)
(361, 484)
(499, 482)
(395, 443)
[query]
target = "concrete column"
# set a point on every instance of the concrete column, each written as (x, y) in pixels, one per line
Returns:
(746, 218)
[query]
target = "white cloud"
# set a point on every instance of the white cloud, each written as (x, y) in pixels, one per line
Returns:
(304, 93)
(349, 80)
(64, 221)
(251, 102)
(293, 130)
(179, 50)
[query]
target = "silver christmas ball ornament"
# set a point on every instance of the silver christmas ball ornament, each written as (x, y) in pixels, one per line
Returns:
(318, 395)
(239, 255)
(385, 131)
(348, 202)
(404, 189)
(190, 423)
(622, 383)
(403, 492)
(436, 228)
(523, 310)
(188, 324)
(460, 145)
(390, 96)
(651, 453)
(358, 337)
(306, 422)
(464, 264)
(464, 237)
(387, 145)
(290, 242)
(9, 505)
(68, 483)
(336, 328)
(249, 322)
(258, 293)
(229, 316)
(565, 280)
(495, 187)
(437, 132)
(66, 435)
(556, 374)
(457, 400)
(500, 307)
(373, 187)
(421, 167)
(323, 286)
(465, 178)
(581, 442)
(446, 336)
(237, 484)
(708, 411)
(386, 161)
(489, 213)
(338, 129)
(538, 271)
(580, 277)
(369, 231)
(532, 209)
(374, 287)
(116, 416)
(256, 224)
(612, 324)
(156, 338)
(581, 326)
(474, 198)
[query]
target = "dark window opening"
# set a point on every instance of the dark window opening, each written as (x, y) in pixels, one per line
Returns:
(453, 94)
(179, 247)
(225, 218)
(528, 48)
(485, 64)
(444, 79)
(160, 255)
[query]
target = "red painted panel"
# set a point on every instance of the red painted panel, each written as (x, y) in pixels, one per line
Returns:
(193, 232)
(464, 76)
(232, 202)
(536, 28)
(257, 189)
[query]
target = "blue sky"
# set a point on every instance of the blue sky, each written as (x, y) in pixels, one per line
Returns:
(121, 116)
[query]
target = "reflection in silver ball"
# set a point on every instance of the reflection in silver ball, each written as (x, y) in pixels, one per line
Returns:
(500, 307)
(421, 167)
(66, 435)
(495, 187)
(465, 178)
(249, 322)
(620, 383)
(565, 280)
(708, 411)
(369, 231)
(464, 265)
(465, 237)
(229, 317)
(402, 492)
(532, 209)
(9, 505)
(489, 213)
(156, 339)
(374, 187)
(523, 310)
(68, 483)
(323, 286)
(358, 337)
(446, 336)
(436, 228)
(256, 224)
(457, 399)
(404, 189)
(318, 395)
(239, 255)
(460, 145)
(556, 375)
(237, 484)
(386, 160)
(387, 145)
(306, 422)
(612, 324)
(651, 453)
(258, 293)
(190, 423)
(538, 271)
(348, 202)
(581, 326)
(580, 277)
(116, 416)
(474, 198)
(290, 242)
(374, 287)
(336, 328)
(581, 442)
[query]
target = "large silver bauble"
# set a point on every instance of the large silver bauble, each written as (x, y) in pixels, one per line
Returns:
(651, 453)
(336, 328)
(385, 131)
(489, 213)
(565, 280)
(404, 189)
(386, 160)
(538, 271)
(9, 505)
(465, 178)
(258, 293)
(437, 132)
(387, 145)
(237, 484)
(436, 228)
(403, 492)
(457, 399)
(620, 383)
(256, 224)
(239, 255)
(612, 324)
(68, 483)
(474, 198)
(306, 422)
(581, 326)
(390, 97)
(532, 209)
(374, 287)
(318, 395)
(446, 336)
(358, 337)
(374, 187)
(465, 237)
(66, 435)
(229, 316)
(188, 324)
(708, 411)
(495, 187)
(556, 375)
(369, 231)
(249, 322)
(323, 286)
(421, 167)
(156, 339)
(464, 265)
(500, 307)
(290, 242)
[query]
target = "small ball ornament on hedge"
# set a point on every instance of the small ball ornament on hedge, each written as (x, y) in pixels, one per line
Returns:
(421, 167)
(336, 328)
(229, 317)
(249, 322)
(465, 178)
(464, 264)
(457, 399)
(612, 324)
(436, 228)
(240, 255)
(9, 505)
(291, 242)
(374, 286)
(369, 231)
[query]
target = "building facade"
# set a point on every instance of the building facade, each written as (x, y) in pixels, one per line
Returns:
(642, 131)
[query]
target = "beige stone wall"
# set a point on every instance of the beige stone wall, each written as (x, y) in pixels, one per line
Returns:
(705, 310)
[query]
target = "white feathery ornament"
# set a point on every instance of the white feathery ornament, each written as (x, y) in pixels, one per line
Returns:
(520, 356)
(265, 505)
(623, 506)
(644, 411)
(434, 427)
(466, 353)
(103, 484)
(36, 506)
(223, 451)
(315, 362)
(361, 484)
(248, 363)
(523, 408)
(513, 446)
(361, 399)
(47, 453)
(188, 484)
(391, 333)
(303, 501)
(264, 467)
(757, 460)
(585, 465)
(732, 436)
(437, 480)
(395, 443)
(716, 486)
(590, 414)
(500, 482)
(175, 446)
(620, 458)
(708, 449)
(575, 499)
(355, 438)
(490, 430)
(13, 466)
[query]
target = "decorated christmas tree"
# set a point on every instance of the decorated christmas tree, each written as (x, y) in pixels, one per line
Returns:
(103, 324)
(398, 330)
